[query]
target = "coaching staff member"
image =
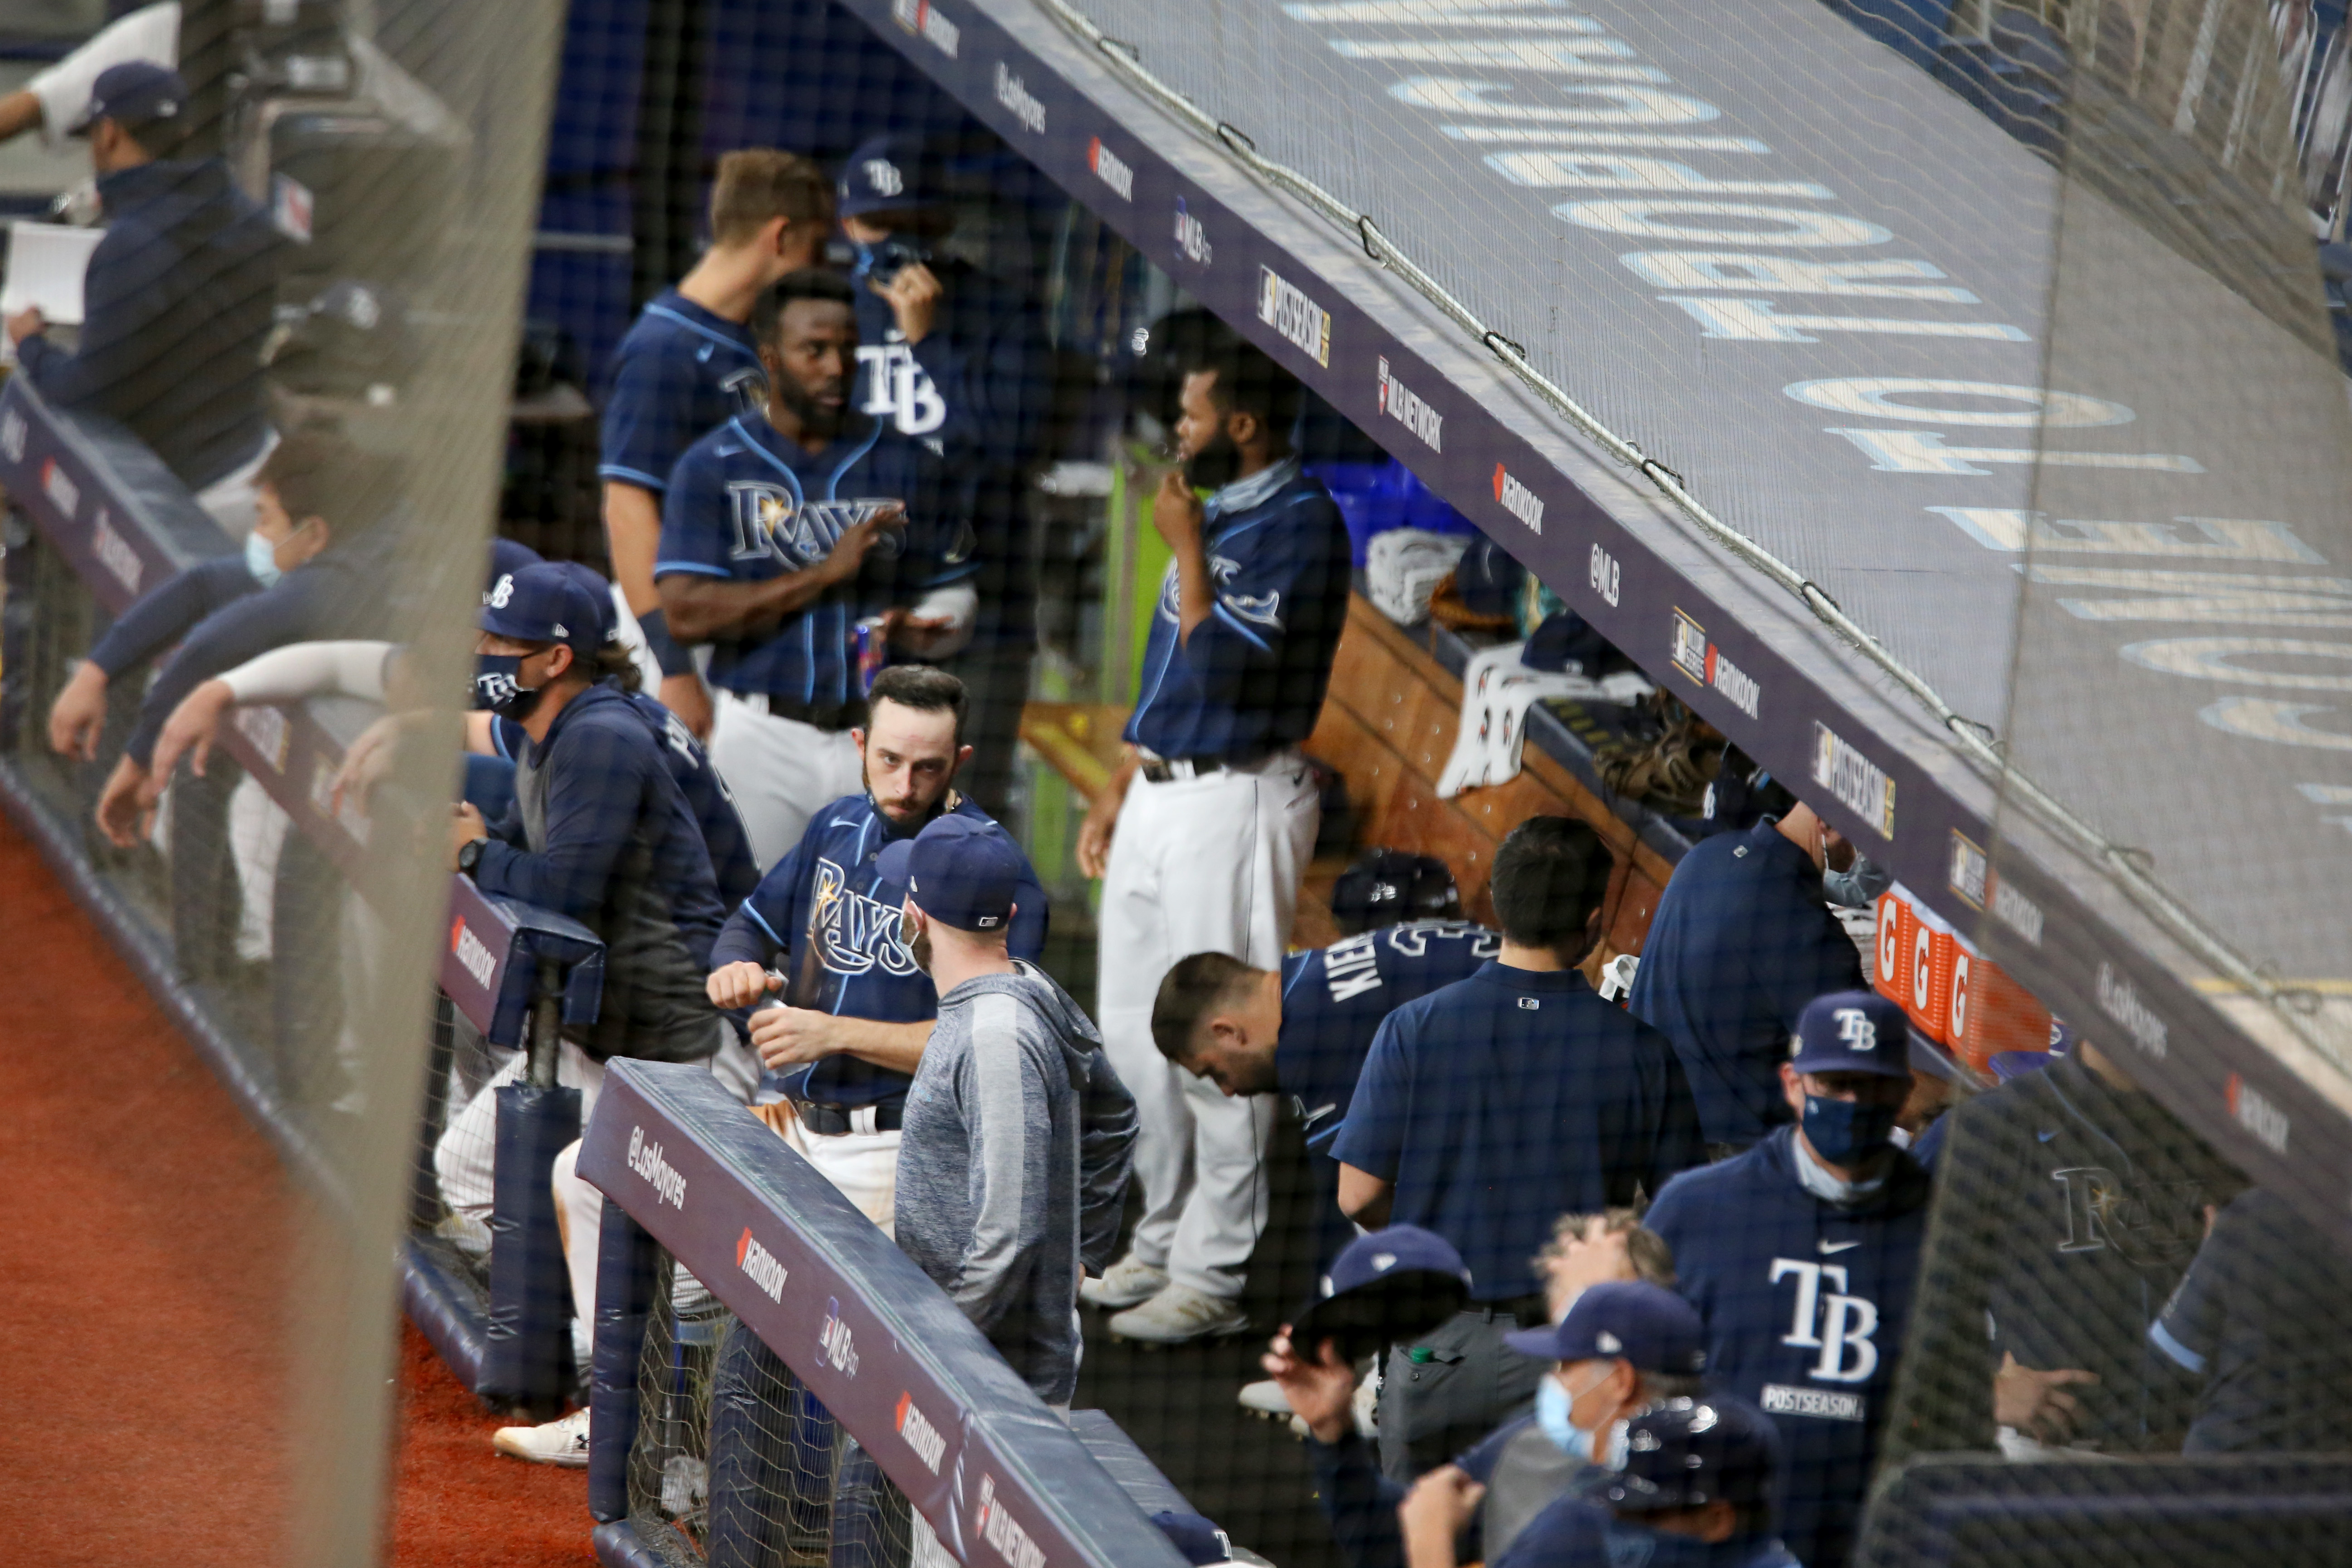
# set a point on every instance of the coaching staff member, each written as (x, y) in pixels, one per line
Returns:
(957, 360)
(1742, 940)
(781, 533)
(177, 298)
(1214, 814)
(688, 365)
(1492, 1106)
(1801, 1253)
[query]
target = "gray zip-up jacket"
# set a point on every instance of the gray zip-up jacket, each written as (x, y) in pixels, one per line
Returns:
(1013, 1164)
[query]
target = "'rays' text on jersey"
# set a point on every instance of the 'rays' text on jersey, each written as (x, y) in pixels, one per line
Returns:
(855, 933)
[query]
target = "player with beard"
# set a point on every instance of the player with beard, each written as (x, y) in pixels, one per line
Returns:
(793, 543)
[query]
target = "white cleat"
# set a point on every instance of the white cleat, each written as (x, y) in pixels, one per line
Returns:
(562, 1442)
(1129, 1282)
(1179, 1315)
(1266, 1398)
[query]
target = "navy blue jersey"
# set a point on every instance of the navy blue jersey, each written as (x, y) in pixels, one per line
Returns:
(1574, 1533)
(1333, 999)
(2261, 1317)
(825, 917)
(706, 793)
(746, 505)
(1250, 677)
(1503, 1101)
(679, 373)
(1741, 942)
(1806, 1302)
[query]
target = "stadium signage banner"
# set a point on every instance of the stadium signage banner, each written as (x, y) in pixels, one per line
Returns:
(1925, 406)
(998, 1476)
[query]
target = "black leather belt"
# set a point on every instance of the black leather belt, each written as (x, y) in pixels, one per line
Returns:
(1529, 1311)
(1168, 770)
(833, 1120)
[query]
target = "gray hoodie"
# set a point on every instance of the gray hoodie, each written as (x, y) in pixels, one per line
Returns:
(1012, 1167)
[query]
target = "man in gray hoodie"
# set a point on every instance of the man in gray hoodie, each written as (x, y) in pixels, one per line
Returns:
(1018, 1135)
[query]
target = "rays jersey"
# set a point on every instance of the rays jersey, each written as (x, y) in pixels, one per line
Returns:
(746, 505)
(679, 371)
(827, 920)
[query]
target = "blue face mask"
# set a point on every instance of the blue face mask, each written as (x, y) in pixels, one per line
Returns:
(261, 560)
(1553, 1403)
(498, 686)
(1848, 1132)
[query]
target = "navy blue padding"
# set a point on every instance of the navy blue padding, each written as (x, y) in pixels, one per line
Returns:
(625, 1294)
(527, 1336)
(617, 1544)
(442, 1308)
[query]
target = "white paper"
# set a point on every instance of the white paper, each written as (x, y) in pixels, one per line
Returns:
(47, 263)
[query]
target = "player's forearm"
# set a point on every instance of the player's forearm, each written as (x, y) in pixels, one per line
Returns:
(699, 609)
(899, 1047)
(19, 112)
(1195, 589)
(632, 538)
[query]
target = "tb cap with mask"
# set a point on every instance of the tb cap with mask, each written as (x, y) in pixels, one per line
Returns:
(542, 602)
(893, 174)
(961, 871)
(1648, 1327)
(1851, 1032)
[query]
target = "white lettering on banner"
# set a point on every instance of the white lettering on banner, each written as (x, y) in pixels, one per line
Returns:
(114, 553)
(1110, 169)
(1192, 236)
(1401, 403)
(1647, 217)
(835, 1342)
(266, 731)
(645, 1160)
(1735, 683)
(2226, 538)
(1873, 397)
(1649, 141)
(1689, 651)
(1832, 1405)
(2118, 1001)
(2324, 602)
(1793, 275)
(2257, 1113)
(1015, 96)
(1003, 1531)
(1968, 870)
(2015, 910)
(920, 1435)
(923, 19)
(763, 1267)
(1601, 59)
(1601, 573)
(2274, 718)
(1924, 452)
(1632, 105)
(473, 956)
(59, 486)
(1831, 1320)
(1761, 322)
(2209, 658)
(12, 436)
(1520, 502)
(1861, 785)
(1606, 171)
(1303, 323)
(1350, 967)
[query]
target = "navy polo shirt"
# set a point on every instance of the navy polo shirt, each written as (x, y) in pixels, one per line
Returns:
(1742, 940)
(1506, 1099)
(1806, 1304)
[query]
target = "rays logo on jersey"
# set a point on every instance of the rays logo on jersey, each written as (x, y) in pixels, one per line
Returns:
(768, 521)
(855, 933)
(748, 388)
(898, 386)
(1826, 1319)
(1265, 609)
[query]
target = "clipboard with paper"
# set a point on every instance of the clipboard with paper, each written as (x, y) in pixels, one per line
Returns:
(46, 264)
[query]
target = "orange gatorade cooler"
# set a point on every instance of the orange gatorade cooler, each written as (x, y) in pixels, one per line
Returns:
(1929, 947)
(1990, 1013)
(1890, 973)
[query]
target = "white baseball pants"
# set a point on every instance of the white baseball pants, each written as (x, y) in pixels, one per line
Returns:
(1202, 865)
(780, 771)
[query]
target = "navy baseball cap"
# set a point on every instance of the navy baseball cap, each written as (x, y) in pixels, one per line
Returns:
(1387, 886)
(959, 870)
(545, 602)
(1385, 1286)
(890, 173)
(136, 92)
(1627, 1320)
(600, 589)
(1689, 1453)
(1194, 1535)
(1854, 1031)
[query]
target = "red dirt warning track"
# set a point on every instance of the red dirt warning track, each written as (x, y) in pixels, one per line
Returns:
(143, 1350)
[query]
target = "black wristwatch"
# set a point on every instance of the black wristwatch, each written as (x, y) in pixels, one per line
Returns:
(469, 854)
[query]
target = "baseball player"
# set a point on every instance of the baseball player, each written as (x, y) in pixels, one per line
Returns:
(1743, 938)
(688, 365)
(1801, 1253)
(1695, 1492)
(1487, 1108)
(1202, 832)
(800, 540)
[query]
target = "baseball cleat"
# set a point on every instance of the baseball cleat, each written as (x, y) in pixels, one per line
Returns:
(1129, 1282)
(1179, 1315)
(563, 1442)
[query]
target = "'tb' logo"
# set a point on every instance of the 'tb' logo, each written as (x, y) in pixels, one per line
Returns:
(1855, 1029)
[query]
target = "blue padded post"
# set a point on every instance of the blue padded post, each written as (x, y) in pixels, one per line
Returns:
(527, 1335)
(625, 1294)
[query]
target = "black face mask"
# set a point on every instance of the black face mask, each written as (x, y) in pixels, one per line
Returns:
(498, 686)
(1214, 465)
